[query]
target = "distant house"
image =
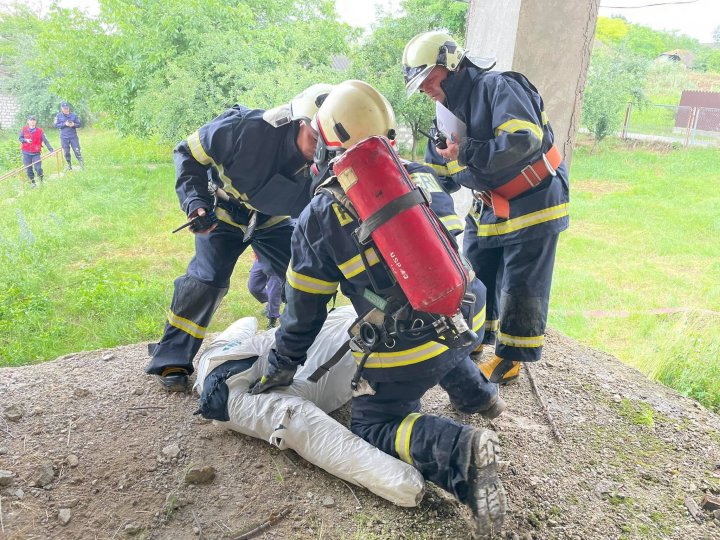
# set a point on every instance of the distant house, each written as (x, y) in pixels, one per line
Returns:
(9, 106)
(707, 110)
(679, 55)
(339, 62)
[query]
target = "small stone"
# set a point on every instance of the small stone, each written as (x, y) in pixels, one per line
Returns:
(3, 451)
(131, 529)
(6, 478)
(72, 461)
(65, 515)
(13, 413)
(171, 451)
(617, 398)
(44, 474)
(20, 494)
(196, 531)
(197, 475)
(716, 515)
(81, 392)
(328, 502)
(108, 357)
(138, 391)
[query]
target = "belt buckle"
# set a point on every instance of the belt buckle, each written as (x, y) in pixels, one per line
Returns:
(527, 178)
(550, 168)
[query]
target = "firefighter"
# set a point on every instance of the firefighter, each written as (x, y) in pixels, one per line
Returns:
(67, 123)
(521, 189)
(457, 457)
(256, 163)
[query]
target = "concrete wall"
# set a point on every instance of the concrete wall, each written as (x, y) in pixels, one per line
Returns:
(8, 109)
(549, 41)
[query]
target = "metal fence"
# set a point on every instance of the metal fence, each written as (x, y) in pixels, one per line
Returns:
(672, 123)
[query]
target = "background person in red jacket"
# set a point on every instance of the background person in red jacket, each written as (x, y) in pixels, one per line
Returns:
(32, 139)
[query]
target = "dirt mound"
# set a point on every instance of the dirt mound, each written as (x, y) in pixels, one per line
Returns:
(92, 448)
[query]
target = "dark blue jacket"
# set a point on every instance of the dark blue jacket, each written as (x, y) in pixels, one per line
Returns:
(325, 256)
(257, 164)
(507, 129)
(67, 132)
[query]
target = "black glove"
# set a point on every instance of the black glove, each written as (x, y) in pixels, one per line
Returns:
(275, 376)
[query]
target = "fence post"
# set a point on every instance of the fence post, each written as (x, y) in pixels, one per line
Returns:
(626, 122)
(698, 110)
(691, 119)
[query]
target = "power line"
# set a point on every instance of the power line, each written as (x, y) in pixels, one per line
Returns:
(651, 5)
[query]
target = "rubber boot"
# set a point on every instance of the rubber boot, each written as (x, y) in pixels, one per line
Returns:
(499, 370)
(272, 322)
(486, 496)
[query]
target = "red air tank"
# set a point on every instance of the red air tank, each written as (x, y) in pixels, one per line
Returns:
(412, 242)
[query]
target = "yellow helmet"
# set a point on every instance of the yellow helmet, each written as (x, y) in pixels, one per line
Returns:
(424, 52)
(353, 111)
(301, 107)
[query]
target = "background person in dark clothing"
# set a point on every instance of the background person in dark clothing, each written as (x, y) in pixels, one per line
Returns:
(68, 122)
(32, 139)
(266, 286)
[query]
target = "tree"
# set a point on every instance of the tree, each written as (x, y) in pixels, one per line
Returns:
(162, 68)
(19, 27)
(378, 60)
(614, 79)
(716, 35)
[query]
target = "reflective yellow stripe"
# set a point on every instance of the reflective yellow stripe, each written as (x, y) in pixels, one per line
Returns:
(441, 170)
(492, 325)
(407, 357)
(479, 319)
(310, 284)
(544, 118)
(186, 325)
(511, 126)
(454, 167)
(197, 150)
(519, 341)
(522, 222)
(355, 266)
(452, 222)
(403, 435)
(225, 216)
(448, 169)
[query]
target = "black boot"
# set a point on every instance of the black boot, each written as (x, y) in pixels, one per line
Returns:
(486, 495)
(42, 179)
(272, 322)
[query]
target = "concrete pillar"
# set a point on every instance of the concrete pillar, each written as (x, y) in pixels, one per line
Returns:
(549, 41)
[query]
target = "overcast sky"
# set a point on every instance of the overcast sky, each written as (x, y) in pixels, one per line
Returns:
(697, 19)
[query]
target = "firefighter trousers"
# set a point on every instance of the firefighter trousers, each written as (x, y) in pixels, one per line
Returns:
(438, 447)
(518, 279)
(199, 291)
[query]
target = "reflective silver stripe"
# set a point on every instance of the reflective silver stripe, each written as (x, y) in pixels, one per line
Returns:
(452, 222)
(309, 284)
(519, 341)
(186, 325)
(403, 436)
(355, 266)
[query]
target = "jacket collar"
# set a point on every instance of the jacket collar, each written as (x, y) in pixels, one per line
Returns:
(457, 86)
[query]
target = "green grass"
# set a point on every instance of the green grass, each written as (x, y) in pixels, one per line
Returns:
(88, 261)
(645, 237)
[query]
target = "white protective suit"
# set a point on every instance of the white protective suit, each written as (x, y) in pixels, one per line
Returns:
(296, 416)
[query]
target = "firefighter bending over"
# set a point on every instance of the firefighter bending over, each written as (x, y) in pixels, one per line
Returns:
(258, 164)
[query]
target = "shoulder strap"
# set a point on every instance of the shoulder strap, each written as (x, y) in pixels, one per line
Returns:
(332, 187)
(324, 368)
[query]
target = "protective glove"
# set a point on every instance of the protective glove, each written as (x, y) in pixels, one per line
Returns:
(275, 376)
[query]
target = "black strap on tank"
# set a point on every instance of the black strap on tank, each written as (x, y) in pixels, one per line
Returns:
(323, 369)
(389, 211)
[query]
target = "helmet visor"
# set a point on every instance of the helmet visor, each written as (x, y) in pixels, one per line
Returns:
(414, 77)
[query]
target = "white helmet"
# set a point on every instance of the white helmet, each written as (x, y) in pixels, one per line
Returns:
(425, 51)
(301, 107)
(353, 111)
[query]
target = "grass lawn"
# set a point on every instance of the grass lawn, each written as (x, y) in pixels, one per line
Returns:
(87, 261)
(638, 272)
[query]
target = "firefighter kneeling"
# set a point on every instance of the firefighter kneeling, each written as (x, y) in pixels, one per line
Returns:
(404, 342)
